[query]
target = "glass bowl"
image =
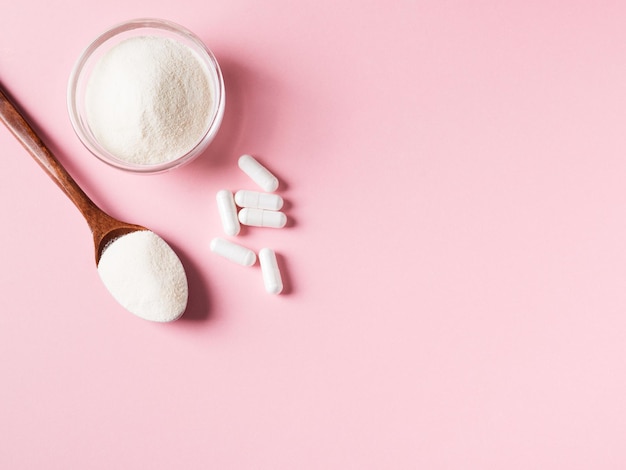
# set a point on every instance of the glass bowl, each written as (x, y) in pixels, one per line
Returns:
(85, 64)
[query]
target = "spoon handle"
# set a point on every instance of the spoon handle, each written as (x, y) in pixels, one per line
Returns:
(19, 127)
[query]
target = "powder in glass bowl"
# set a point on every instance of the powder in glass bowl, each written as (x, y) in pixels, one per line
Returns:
(148, 100)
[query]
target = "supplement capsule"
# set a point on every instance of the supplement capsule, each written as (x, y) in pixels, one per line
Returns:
(262, 218)
(228, 212)
(271, 274)
(235, 253)
(257, 200)
(258, 173)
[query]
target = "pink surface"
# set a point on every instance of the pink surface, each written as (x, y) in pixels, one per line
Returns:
(455, 272)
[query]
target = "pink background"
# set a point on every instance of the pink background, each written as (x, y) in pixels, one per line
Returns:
(456, 268)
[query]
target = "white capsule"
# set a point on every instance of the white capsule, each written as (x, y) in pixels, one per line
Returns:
(233, 252)
(257, 200)
(271, 274)
(258, 173)
(228, 212)
(262, 218)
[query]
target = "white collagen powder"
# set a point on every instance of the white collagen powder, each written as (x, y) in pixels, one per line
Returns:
(149, 100)
(145, 276)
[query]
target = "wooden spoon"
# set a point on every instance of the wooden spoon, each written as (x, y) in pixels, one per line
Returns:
(104, 228)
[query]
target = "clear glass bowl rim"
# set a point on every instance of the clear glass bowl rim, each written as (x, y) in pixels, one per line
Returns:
(149, 24)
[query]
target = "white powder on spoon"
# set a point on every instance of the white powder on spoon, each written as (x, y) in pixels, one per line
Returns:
(148, 100)
(145, 276)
